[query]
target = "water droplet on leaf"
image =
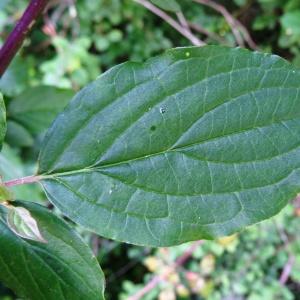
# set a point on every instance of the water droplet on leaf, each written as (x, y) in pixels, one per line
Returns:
(162, 110)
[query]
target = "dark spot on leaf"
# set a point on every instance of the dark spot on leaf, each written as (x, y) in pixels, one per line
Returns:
(153, 128)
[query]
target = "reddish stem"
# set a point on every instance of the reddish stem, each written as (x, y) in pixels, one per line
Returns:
(17, 36)
(287, 270)
(24, 180)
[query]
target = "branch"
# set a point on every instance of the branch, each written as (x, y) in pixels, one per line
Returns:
(156, 280)
(167, 18)
(246, 35)
(287, 269)
(19, 33)
(182, 20)
(228, 17)
(210, 34)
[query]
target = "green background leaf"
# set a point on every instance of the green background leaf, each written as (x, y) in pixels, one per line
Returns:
(2, 120)
(5, 194)
(16, 77)
(61, 269)
(11, 167)
(290, 22)
(196, 143)
(37, 107)
(170, 5)
(17, 135)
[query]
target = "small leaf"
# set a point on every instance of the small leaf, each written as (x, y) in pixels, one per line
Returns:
(169, 5)
(37, 107)
(64, 268)
(290, 23)
(23, 224)
(196, 143)
(2, 120)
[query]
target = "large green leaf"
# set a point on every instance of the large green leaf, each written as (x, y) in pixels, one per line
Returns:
(37, 107)
(2, 120)
(61, 269)
(196, 143)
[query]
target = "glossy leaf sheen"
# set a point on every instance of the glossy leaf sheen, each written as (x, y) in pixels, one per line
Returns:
(61, 269)
(2, 120)
(196, 143)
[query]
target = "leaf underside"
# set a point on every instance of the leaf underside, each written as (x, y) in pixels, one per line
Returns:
(61, 269)
(2, 120)
(194, 144)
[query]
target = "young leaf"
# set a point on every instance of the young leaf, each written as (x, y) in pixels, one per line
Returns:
(2, 120)
(37, 107)
(170, 5)
(23, 224)
(196, 143)
(61, 269)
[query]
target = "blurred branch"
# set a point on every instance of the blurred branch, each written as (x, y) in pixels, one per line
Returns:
(123, 270)
(51, 22)
(19, 33)
(246, 35)
(238, 29)
(182, 20)
(95, 244)
(210, 34)
(287, 269)
(168, 19)
(228, 17)
(156, 280)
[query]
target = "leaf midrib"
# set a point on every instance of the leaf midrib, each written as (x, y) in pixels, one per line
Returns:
(205, 79)
(98, 168)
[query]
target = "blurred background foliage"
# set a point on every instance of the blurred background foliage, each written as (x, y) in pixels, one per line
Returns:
(75, 42)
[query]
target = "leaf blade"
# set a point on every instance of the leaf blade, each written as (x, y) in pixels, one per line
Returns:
(180, 148)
